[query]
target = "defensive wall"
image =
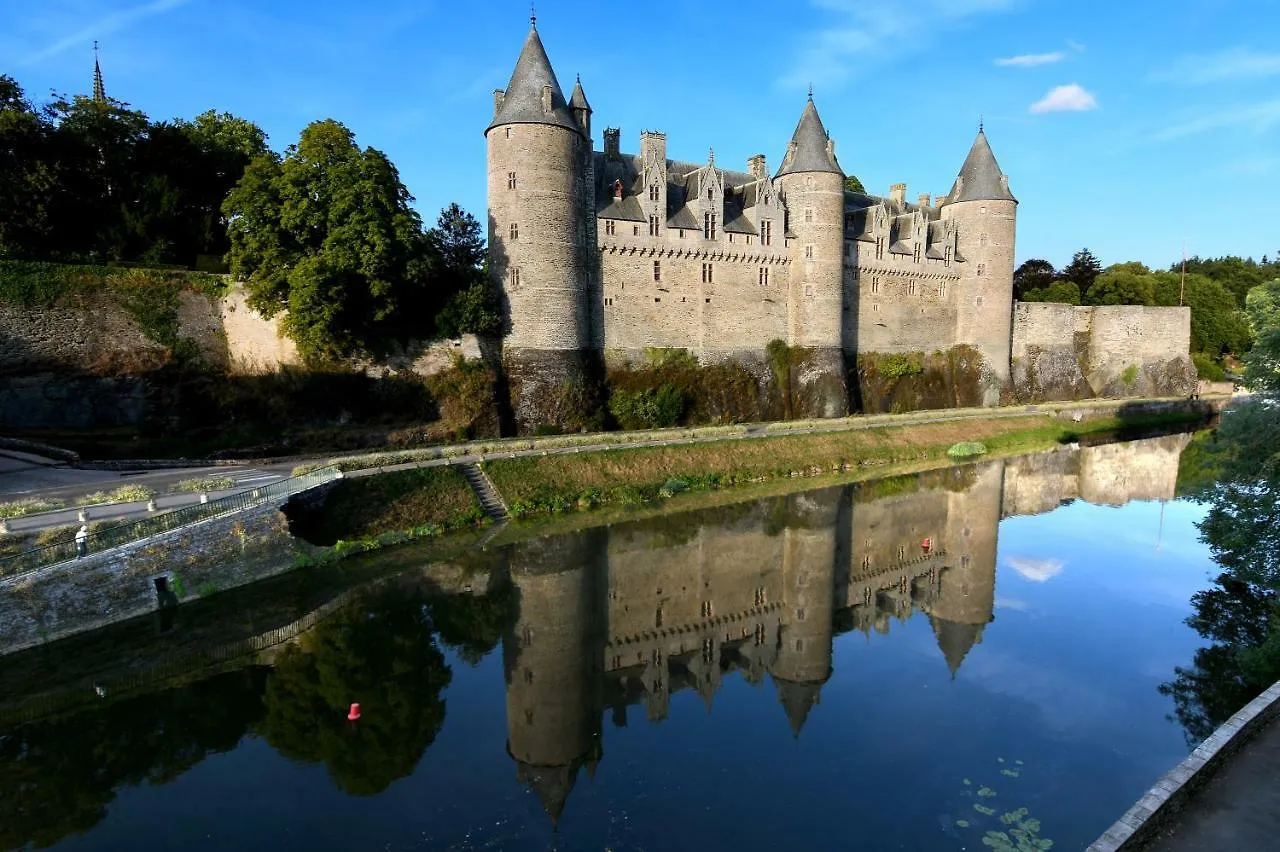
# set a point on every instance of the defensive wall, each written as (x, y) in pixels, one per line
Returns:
(92, 364)
(1065, 352)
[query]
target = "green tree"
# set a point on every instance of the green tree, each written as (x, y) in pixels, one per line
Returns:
(1083, 270)
(1125, 284)
(852, 184)
(460, 296)
(379, 652)
(1063, 292)
(1262, 364)
(1034, 274)
(26, 175)
(328, 235)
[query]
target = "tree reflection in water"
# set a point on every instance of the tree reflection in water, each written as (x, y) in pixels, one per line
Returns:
(1237, 473)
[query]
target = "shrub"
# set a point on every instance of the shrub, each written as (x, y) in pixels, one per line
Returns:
(650, 408)
(966, 449)
(896, 366)
(123, 494)
(1130, 375)
(208, 483)
(1207, 368)
(29, 506)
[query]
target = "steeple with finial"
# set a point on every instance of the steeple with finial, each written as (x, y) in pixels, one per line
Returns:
(99, 91)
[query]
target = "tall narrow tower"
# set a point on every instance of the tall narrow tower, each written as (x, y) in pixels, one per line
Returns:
(538, 149)
(986, 214)
(99, 90)
(812, 187)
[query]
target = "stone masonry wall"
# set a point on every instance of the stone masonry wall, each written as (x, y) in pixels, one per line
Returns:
(107, 587)
(1065, 352)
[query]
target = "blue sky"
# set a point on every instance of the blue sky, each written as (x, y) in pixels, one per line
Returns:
(1126, 127)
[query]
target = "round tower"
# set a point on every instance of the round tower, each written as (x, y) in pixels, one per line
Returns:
(803, 663)
(538, 151)
(812, 187)
(986, 214)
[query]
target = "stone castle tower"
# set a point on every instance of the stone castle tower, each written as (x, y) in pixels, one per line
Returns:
(603, 254)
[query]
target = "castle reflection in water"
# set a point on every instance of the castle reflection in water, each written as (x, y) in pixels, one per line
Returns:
(620, 617)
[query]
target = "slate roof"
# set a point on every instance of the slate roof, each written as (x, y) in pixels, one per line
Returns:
(522, 103)
(980, 178)
(810, 152)
(579, 98)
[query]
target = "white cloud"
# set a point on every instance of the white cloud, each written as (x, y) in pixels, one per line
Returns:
(1259, 118)
(854, 31)
(1075, 45)
(1069, 98)
(1035, 570)
(1236, 63)
(1031, 60)
(104, 26)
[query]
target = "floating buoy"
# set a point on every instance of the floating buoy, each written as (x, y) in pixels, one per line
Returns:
(354, 713)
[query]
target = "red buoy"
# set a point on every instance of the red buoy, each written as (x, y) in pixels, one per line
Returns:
(354, 713)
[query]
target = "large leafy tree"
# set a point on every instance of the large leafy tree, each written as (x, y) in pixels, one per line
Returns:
(327, 234)
(1262, 365)
(461, 297)
(1083, 270)
(26, 176)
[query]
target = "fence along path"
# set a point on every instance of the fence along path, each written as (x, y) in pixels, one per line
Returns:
(115, 536)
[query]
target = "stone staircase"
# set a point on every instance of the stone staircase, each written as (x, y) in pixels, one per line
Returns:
(488, 496)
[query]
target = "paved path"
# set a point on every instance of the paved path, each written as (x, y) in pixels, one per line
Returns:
(1239, 809)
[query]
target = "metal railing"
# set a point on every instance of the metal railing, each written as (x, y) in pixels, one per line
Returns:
(105, 539)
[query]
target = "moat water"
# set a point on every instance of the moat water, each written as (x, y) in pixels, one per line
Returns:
(913, 663)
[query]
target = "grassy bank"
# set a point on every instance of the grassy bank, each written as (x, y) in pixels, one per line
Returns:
(396, 506)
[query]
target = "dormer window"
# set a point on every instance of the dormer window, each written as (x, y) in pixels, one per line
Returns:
(617, 190)
(709, 226)
(711, 195)
(653, 192)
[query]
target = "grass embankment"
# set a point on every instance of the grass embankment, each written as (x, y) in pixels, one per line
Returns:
(371, 511)
(562, 483)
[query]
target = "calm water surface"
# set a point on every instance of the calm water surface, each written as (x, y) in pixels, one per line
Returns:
(895, 665)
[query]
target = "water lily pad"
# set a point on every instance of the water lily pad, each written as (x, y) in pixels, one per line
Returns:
(962, 823)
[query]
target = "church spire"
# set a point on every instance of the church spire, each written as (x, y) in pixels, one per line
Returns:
(99, 91)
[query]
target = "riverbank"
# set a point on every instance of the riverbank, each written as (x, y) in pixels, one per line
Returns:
(557, 480)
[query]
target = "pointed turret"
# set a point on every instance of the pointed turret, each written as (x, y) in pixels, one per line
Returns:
(810, 149)
(534, 96)
(578, 100)
(552, 784)
(797, 700)
(980, 177)
(99, 90)
(955, 640)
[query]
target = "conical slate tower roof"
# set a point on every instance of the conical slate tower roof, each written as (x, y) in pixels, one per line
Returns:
(809, 151)
(797, 700)
(522, 103)
(955, 640)
(552, 784)
(578, 100)
(980, 177)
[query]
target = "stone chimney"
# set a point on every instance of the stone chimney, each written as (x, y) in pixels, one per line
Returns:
(898, 192)
(757, 168)
(923, 200)
(612, 137)
(655, 143)
(499, 97)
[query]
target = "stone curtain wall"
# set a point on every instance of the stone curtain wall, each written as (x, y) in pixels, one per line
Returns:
(1065, 352)
(104, 588)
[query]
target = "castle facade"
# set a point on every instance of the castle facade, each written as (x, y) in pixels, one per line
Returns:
(604, 253)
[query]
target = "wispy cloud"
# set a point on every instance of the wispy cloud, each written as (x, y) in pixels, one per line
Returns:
(1257, 117)
(1237, 63)
(1069, 98)
(856, 30)
(1031, 60)
(1075, 45)
(105, 25)
(1035, 570)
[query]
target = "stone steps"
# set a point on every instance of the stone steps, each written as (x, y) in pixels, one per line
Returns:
(488, 496)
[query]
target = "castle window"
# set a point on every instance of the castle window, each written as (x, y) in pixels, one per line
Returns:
(964, 561)
(866, 562)
(515, 276)
(808, 252)
(528, 675)
(528, 717)
(515, 231)
(982, 209)
(917, 253)
(711, 194)
(657, 270)
(808, 290)
(706, 609)
(682, 233)
(766, 232)
(617, 190)
(808, 216)
(653, 226)
(730, 236)
(508, 132)
(982, 240)
(875, 309)
(657, 618)
(981, 270)
(911, 288)
(511, 180)
(708, 274)
(635, 230)
(764, 276)
(879, 248)
(902, 553)
(657, 299)
(799, 617)
(609, 227)
(875, 284)
(708, 301)
(708, 226)
(653, 192)
(608, 302)
(942, 290)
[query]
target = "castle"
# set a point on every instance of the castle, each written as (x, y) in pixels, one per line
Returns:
(602, 252)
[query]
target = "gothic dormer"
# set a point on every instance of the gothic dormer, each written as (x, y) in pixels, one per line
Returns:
(653, 170)
(705, 196)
